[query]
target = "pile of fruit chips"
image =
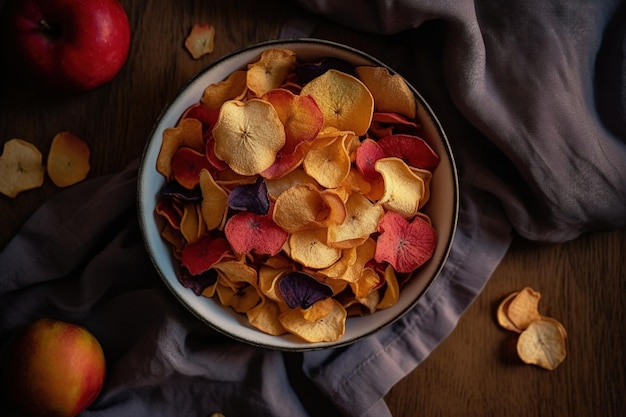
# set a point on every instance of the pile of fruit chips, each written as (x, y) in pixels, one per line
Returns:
(294, 193)
(21, 164)
(542, 339)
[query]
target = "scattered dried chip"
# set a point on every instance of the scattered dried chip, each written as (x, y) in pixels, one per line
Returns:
(344, 100)
(391, 93)
(299, 289)
(201, 40)
(68, 159)
(502, 314)
(523, 308)
(406, 246)
(21, 167)
(270, 71)
(542, 343)
(248, 135)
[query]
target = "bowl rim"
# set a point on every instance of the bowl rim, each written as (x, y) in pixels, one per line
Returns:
(297, 346)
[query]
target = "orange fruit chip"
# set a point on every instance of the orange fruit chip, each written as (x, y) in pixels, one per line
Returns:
(248, 135)
(21, 167)
(345, 101)
(502, 313)
(187, 133)
(265, 318)
(403, 188)
(523, 309)
(329, 165)
(361, 221)
(298, 208)
(236, 272)
(310, 249)
(241, 300)
(369, 281)
(232, 88)
(68, 159)
(542, 343)
(270, 71)
(201, 40)
(214, 206)
(318, 310)
(391, 93)
(325, 329)
(392, 292)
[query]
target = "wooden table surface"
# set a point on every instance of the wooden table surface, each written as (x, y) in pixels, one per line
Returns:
(475, 370)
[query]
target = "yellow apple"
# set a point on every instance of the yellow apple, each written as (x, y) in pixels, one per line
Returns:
(53, 368)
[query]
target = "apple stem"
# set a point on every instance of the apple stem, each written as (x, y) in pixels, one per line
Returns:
(52, 31)
(44, 25)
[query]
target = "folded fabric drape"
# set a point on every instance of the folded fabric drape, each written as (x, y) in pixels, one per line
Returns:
(533, 98)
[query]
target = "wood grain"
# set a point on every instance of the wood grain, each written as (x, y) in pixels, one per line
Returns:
(473, 372)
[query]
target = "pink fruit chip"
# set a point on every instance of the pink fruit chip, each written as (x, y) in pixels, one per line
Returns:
(250, 232)
(412, 149)
(205, 252)
(366, 156)
(405, 245)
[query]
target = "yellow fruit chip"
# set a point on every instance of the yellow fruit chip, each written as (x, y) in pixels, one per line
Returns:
(502, 314)
(392, 290)
(542, 343)
(328, 165)
(265, 318)
(21, 167)
(360, 222)
(248, 135)
(214, 206)
(187, 133)
(201, 40)
(345, 101)
(270, 71)
(68, 159)
(326, 329)
(391, 93)
(309, 248)
(298, 208)
(523, 308)
(232, 88)
(403, 188)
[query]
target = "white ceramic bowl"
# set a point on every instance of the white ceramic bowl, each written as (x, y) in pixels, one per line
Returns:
(442, 206)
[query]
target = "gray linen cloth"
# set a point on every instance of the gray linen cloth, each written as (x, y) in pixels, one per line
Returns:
(533, 97)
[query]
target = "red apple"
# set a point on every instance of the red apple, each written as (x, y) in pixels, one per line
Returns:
(66, 45)
(53, 368)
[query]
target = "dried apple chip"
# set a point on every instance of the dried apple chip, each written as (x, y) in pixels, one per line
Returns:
(361, 221)
(404, 190)
(201, 40)
(300, 115)
(201, 255)
(276, 186)
(214, 206)
(298, 208)
(406, 246)
(392, 290)
(387, 124)
(241, 300)
(186, 166)
(187, 133)
(366, 156)
(391, 93)
(523, 308)
(68, 159)
(411, 149)
(232, 88)
(265, 318)
(21, 167)
(502, 315)
(248, 135)
(270, 71)
(326, 329)
(345, 101)
(299, 289)
(542, 343)
(329, 165)
(250, 232)
(309, 248)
